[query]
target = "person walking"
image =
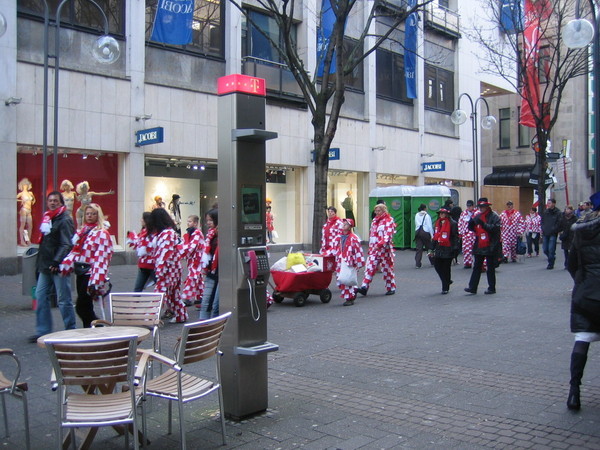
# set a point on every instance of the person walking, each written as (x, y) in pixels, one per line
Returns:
(167, 263)
(467, 236)
(57, 229)
(486, 225)
(566, 234)
(192, 250)
(533, 229)
(423, 233)
(445, 246)
(347, 249)
(381, 251)
(584, 267)
(551, 218)
(512, 225)
(210, 261)
(142, 243)
(89, 259)
(331, 230)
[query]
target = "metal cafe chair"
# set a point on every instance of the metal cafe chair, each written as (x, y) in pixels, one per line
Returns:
(10, 385)
(199, 341)
(96, 365)
(135, 309)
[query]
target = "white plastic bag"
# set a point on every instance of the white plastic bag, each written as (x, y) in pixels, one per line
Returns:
(347, 275)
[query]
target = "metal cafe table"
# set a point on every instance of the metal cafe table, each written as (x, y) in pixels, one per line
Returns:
(100, 332)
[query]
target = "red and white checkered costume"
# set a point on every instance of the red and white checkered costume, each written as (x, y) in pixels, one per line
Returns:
(352, 253)
(512, 225)
(142, 243)
(192, 250)
(96, 250)
(381, 251)
(467, 236)
(533, 223)
(167, 269)
(331, 230)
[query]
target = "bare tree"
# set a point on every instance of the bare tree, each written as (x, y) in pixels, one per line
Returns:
(515, 53)
(324, 94)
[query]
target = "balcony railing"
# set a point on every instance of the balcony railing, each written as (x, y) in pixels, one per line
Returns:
(279, 80)
(442, 19)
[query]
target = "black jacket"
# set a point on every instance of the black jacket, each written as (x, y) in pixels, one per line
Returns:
(584, 267)
(492, 227)
(551, 218)
(56, 244)
(566, 234)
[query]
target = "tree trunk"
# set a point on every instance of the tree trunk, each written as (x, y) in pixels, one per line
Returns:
(320, 194)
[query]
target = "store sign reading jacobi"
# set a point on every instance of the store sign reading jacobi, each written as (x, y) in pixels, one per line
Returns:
(149, 136)
(439, 166)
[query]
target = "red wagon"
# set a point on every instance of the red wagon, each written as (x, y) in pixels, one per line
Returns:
(299, 286)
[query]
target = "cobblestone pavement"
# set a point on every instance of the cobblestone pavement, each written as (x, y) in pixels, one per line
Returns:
(415, 370)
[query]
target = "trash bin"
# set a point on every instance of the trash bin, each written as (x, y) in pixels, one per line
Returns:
(29, 273)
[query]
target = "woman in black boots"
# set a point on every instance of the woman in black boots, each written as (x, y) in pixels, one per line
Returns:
(446, 246)
(584, 266)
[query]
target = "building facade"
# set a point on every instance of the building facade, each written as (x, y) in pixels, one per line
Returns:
(384, 138)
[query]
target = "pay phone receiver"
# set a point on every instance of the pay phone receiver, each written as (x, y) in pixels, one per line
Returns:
(255, 267)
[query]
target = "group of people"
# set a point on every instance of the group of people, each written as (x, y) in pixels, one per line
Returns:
(87, 253)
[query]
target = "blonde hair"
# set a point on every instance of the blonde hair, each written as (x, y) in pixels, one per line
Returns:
(24, 182)
(381, 206)
(66, 183)
(101, 220)
(81, 185)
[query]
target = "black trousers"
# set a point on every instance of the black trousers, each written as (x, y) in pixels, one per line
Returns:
(443, 267)
(478, 266)
(85, 302)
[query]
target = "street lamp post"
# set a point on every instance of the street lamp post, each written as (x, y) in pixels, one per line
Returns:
(459, 117)
(105, 50)
(579, 33)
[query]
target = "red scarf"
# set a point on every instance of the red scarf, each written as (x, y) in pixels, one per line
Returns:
(212, 244)
(80, 236)
(483, 237)
(49, 215)
(347, 242)
(442, 232)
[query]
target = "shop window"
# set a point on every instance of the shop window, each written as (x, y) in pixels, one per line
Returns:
(81, 14)
(207, 28)
(504, 114)
(390, 76)
(524, 134)
(439, 89)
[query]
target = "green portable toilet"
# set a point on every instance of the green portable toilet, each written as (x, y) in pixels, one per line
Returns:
(397, 200)
(434, 197)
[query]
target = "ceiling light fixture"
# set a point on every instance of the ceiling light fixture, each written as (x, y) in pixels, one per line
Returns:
(84, 156)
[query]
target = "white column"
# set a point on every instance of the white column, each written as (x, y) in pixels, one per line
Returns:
(419, 102)
(8, 134)
(233, 39)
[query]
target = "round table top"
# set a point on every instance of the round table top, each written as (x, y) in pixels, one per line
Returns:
(100, 332)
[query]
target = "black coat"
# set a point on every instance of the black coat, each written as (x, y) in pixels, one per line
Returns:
(551, 218)
(584, 266)
(451, 252)
(492, 227)
(566, 234)
(56, 244)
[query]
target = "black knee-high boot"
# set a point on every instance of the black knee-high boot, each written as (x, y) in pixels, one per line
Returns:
(578, 360)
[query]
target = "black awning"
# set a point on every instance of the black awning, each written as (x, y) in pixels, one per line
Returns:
(510, 176)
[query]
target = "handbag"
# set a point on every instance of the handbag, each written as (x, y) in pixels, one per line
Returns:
(81, 268)
(521, 246)
(348, 276)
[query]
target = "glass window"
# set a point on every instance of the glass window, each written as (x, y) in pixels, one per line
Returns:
(80, 13)
(439, 89)
(444, 3)
(390, 76)
(207, 27)
(504, 114)
(356, 78)
(524, 134)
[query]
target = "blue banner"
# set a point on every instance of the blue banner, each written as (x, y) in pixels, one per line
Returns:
(410, 52)
(324, 36)
(512, 16)
(173, 22)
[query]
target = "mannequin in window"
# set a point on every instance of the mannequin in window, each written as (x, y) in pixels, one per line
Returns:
(27, 200)
(175, 212)
(68, 193)
(84, 195)
(158, 203)
(348, 205)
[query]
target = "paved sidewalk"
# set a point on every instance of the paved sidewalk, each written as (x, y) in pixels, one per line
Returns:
(415, 370)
